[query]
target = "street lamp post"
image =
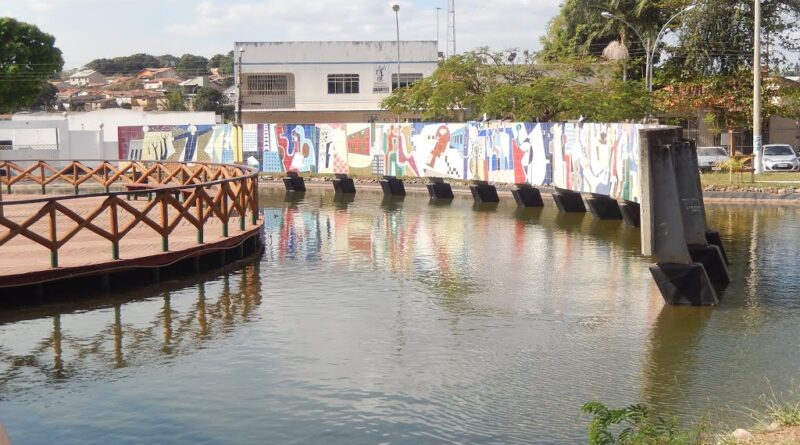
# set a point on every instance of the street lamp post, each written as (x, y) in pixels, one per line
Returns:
(396, 8)
(649, 47)
(239, 89)
(757, 88)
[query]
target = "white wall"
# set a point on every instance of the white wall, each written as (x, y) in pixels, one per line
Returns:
(113, 118)
(85, 135)
(312, 62)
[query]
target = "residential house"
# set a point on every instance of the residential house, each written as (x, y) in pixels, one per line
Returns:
(162, 84)
(86, 77)
(156, 73)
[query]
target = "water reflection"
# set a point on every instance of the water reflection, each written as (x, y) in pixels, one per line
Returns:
(80, 343)
(373, 322)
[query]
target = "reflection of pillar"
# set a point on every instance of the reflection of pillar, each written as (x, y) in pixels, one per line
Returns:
(246, 291)
(225, 298)
(118, 337)
(201, 310)
(58, 364)
(672, 354)
(167, 313)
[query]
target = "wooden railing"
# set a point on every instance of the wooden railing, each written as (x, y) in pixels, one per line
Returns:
(177, 192)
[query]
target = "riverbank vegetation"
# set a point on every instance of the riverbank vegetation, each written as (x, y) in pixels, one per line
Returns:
(774, 423)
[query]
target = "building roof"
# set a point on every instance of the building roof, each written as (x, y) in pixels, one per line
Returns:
(84, 73)
(151, 71)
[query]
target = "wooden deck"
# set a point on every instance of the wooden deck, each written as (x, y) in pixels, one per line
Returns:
(24, 262)
(192, 210)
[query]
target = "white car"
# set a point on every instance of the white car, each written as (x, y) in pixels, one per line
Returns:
(708, 157)
(777, 157)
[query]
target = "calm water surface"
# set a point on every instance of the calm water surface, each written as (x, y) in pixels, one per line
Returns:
(379, 321)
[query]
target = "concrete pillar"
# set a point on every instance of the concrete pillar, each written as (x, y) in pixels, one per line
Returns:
(439, 189)
(568, 201)
(482, 191)
(694, 213)
(527, 196)
(678, 277)
(604, 207)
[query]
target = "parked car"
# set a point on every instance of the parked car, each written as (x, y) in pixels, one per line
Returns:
(780, 157)
(708, 157)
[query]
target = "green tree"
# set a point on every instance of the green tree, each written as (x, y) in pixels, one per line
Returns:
(222, 61)
(167, 61)
(175, 100)
(716, 38)
(209, 99)
(47, 99)
(124, 65)
(495, 84)
(580, 30)
(28, 58)
(190, 65)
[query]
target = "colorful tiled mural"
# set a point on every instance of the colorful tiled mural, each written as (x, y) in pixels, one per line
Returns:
(597, 158)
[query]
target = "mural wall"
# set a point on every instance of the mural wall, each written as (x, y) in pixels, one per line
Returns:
(596, 158)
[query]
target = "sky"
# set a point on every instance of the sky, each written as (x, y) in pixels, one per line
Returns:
(91, 29)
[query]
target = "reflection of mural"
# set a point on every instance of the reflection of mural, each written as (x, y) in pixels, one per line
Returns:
(597, 158)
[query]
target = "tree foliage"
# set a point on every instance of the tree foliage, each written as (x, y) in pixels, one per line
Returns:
(167, 61)
(728, 99)
(580, 30)
(126, 65)
(471, 85)
(190, 65)
(28, 58)
(209, 99)
(222, 61)
(716, 38)
(175, 100)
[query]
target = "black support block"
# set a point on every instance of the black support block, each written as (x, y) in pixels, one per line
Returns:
(714, 239)
(604, 207)
(344, 184)
(439, 189)
(569, 201)
(631, 213)
(294, 182)
(684, 284)
(482, 191)
(392, 186)
(711, 258)
(527, 196)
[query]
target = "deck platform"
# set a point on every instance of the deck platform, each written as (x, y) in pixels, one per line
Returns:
(205, 211)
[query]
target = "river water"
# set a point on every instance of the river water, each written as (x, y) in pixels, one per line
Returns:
(407, 322)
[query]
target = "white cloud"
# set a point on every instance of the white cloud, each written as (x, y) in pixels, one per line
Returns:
(499, 24)
(211, 26)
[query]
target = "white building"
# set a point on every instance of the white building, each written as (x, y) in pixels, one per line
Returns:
(86, 77)
(308, 82)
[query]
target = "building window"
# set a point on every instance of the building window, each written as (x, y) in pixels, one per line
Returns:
(406, 79)
(342, 83)
(268, 84)
(267, 91)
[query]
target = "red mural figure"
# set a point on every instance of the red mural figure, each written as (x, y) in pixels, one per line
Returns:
(442, 142)
(283, 147)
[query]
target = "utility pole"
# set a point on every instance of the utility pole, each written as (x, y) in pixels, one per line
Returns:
(451, 28)
(437, 32)
(239, 89)
(757, 88)
(396, 8)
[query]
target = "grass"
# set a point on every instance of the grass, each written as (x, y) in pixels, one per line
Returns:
(775, 180)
